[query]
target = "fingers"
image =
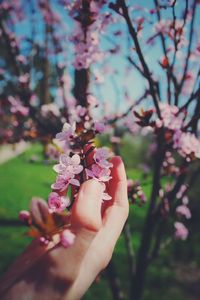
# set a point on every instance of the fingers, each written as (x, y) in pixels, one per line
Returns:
(116, 213)
(86, 211)
(85, 222)
(118, 184)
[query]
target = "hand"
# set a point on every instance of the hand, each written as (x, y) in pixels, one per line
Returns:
(59, 273)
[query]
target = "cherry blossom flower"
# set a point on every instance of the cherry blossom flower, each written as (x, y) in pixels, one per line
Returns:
(181, 191)
(101, 155)
(187, 144)
(185, 200)
(24, 215)
(24, 78)
(183, 210)
(170, 117)
(21, 58)
(63, 181)
(135, 192)
(181, 232)
(43, 241)
(99, 127)
(86, 50)
(50, 108)
(92, 101)
(69, 165)
(98, 173)
(167, 26)
(57, 203)
(115, 140)
(17, 107)
(130, 184)
(68, 132)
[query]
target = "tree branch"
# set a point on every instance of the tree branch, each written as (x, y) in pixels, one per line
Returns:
(133, 34)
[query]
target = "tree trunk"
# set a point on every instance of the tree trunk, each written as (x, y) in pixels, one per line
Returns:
(81, 79)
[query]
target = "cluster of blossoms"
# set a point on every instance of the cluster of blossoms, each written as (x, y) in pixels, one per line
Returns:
(86, 47)
(181, 232)
(78, 162)
(13, 116)
(49, 228)
(172, 28)
(182, 211)
(49, 15)
(173, 121)
(135, 192)
(170, 117)
(187, 144)
(13, 8)
(169, 164)
(16, 106)
(86, 35)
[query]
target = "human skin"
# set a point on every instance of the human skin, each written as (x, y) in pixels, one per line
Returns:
(66, 274)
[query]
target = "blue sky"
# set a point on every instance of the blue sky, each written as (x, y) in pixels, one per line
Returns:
(111, 90)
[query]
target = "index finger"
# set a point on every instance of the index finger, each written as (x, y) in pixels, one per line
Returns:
(116, 210)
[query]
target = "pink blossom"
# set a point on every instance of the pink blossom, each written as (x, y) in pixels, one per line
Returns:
(166, 27)
(129, 184)
(68, 132)
(24, 215)
(187, 144)
(86, 49)
(17, 107)
(181, 231)
(21, 58)
(24, 78)
(99, 127)
(185, 200)
(115, 140)
(43, 241)
(67, 238)
(98, 173)
(63, 181)
(57, 203)
(69, 165)
(50, 108)
(92, 101)
(81, 111)
(189, 83)
(101, 155)
(181, 191)
(131, 125)
(170, 117)
(184, 211)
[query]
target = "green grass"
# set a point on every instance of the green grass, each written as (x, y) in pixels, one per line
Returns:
(20, 181)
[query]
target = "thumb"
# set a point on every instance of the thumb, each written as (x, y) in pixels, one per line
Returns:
(86, 211)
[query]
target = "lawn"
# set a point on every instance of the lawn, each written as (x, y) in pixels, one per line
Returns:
(24, 177)
(20, 181)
